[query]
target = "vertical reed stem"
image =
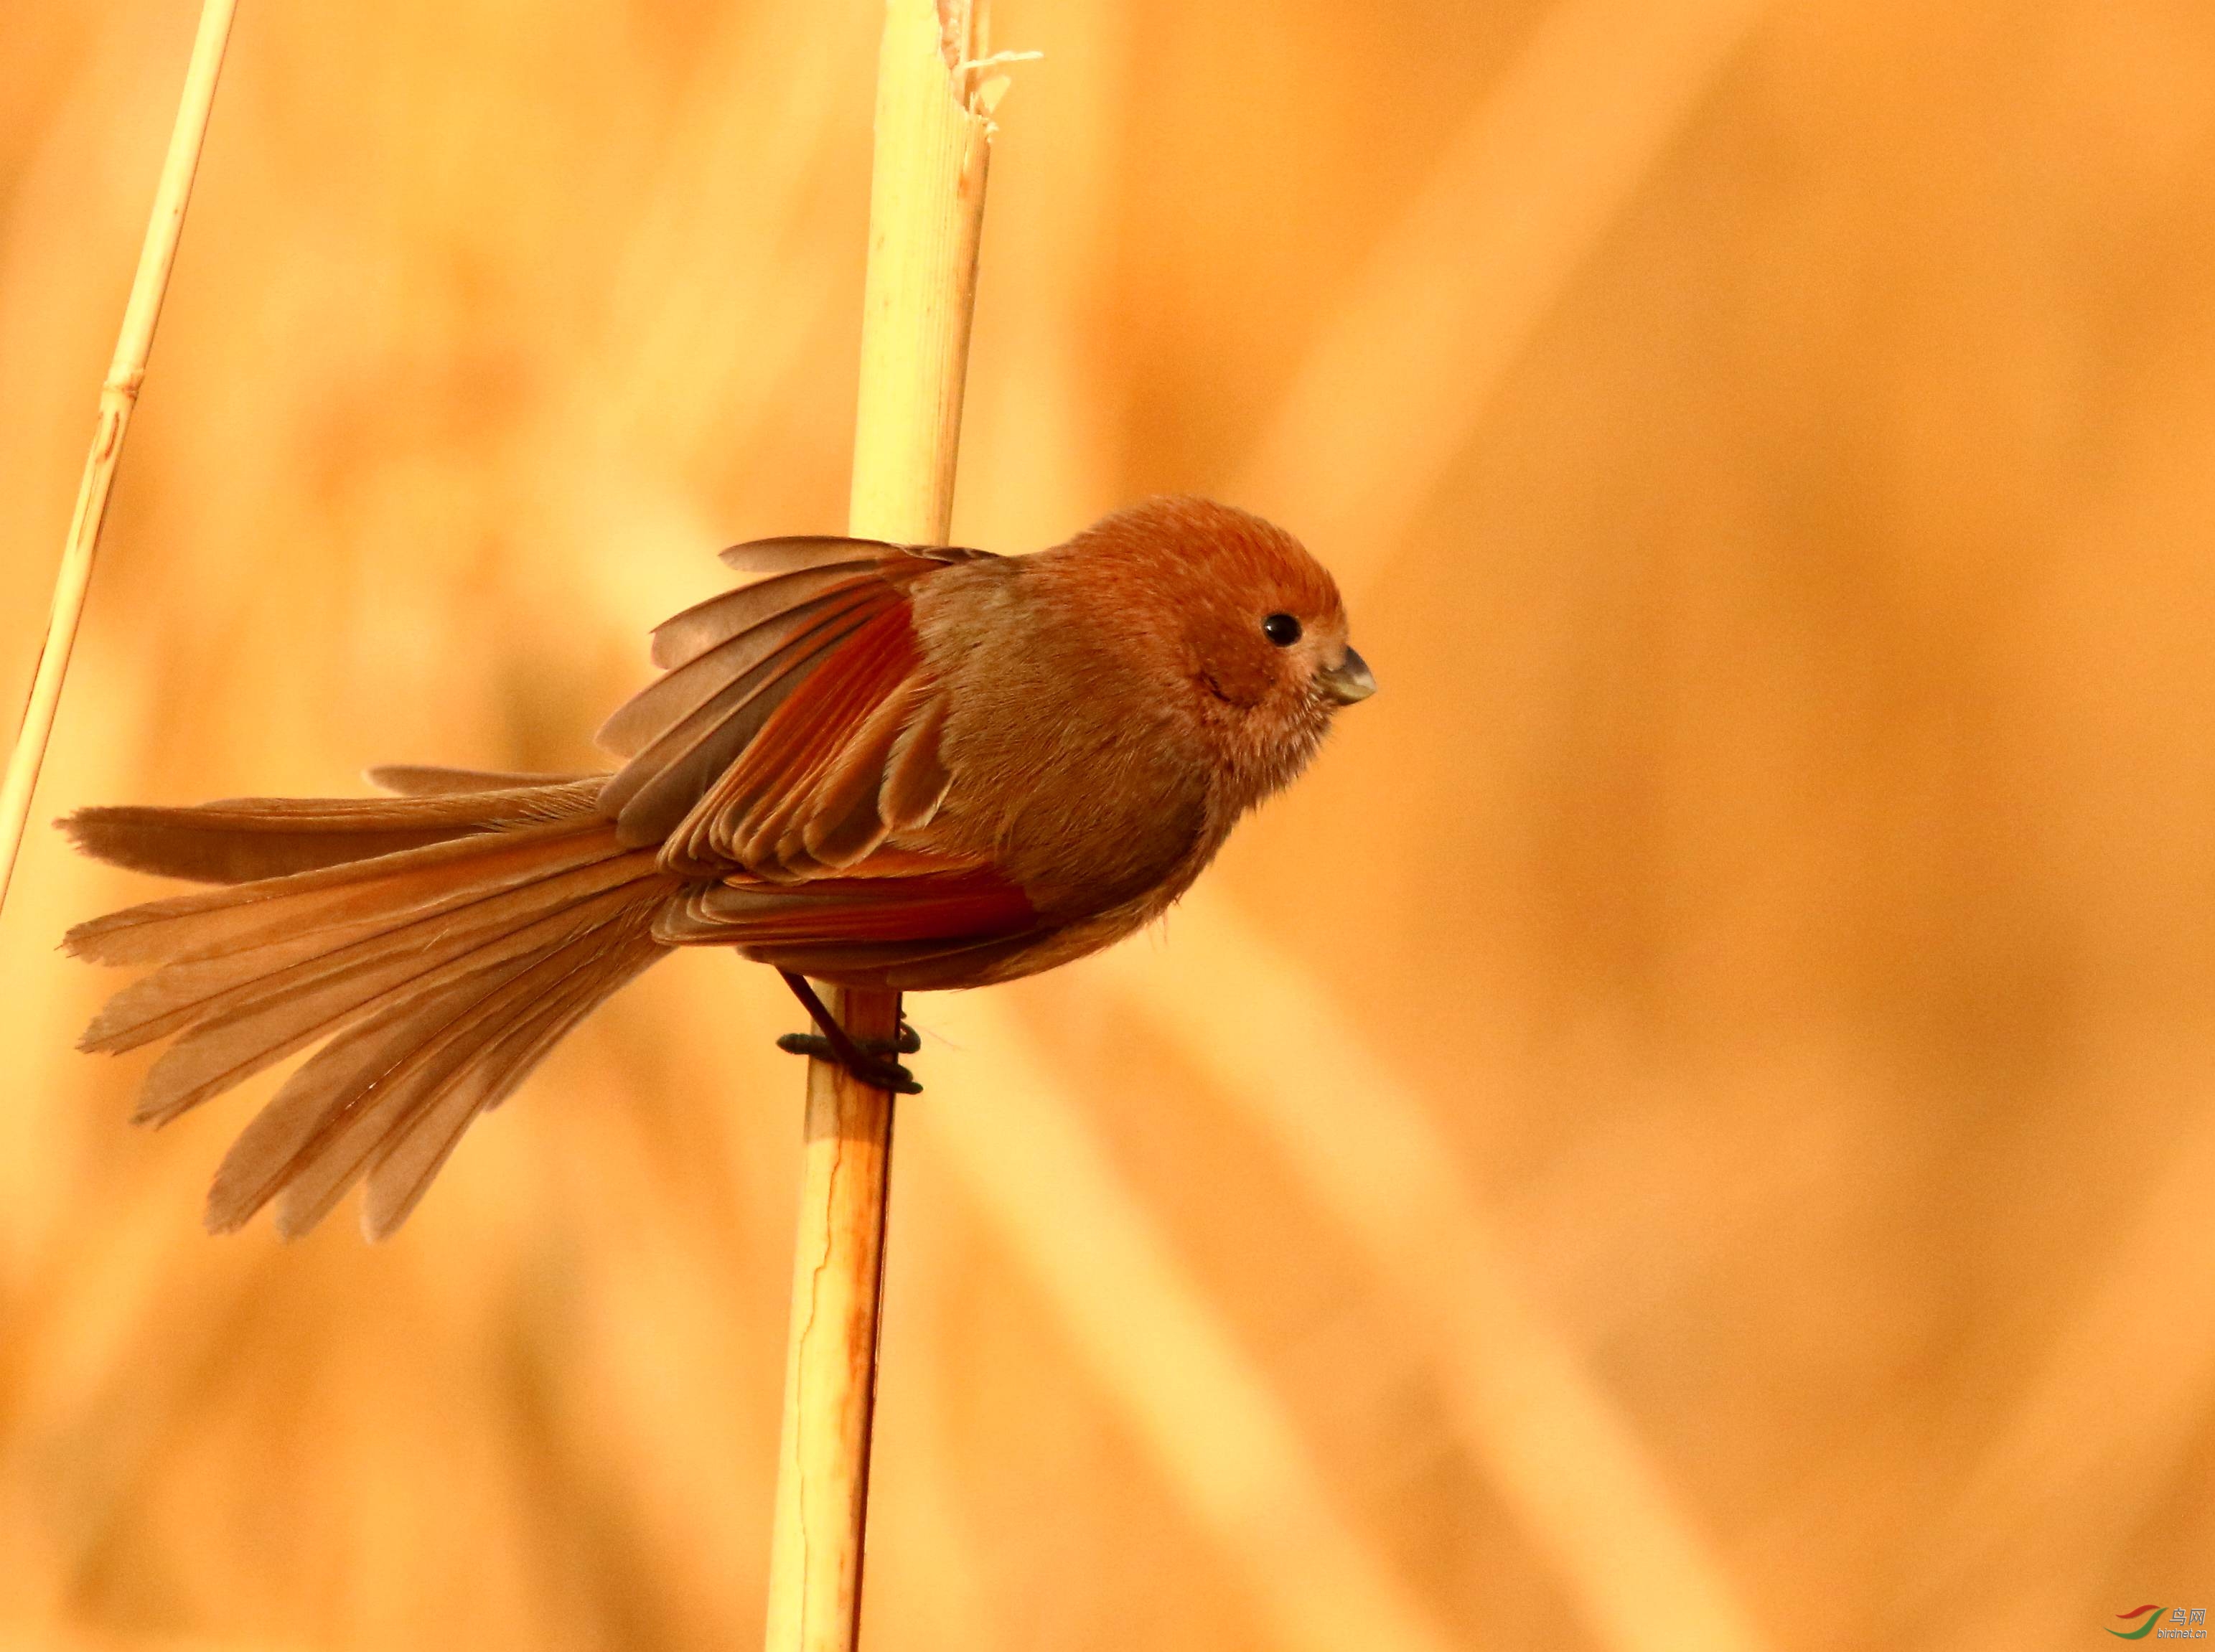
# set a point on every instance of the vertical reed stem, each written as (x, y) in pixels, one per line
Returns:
(119, 394)
(926, 206)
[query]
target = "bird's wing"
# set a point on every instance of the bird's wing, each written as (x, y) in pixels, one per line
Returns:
(907, 920)
(796, 726)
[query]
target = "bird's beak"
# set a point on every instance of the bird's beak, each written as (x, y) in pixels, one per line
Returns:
(1349, 680)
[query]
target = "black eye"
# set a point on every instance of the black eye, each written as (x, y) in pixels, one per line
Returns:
(1281, 629)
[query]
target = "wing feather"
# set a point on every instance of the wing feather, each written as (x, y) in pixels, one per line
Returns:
(901, 966)
(655, 710)
(659, 787)
(798, 551)
(684, 637)
(863, 931)
(917, 778)
(788, 755)
(798, 729)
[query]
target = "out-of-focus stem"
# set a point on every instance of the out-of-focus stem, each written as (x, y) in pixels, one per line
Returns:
(119, 394)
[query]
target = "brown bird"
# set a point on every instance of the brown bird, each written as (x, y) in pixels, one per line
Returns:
(876, 765)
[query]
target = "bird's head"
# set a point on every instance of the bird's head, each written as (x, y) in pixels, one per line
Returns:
(1247, 626)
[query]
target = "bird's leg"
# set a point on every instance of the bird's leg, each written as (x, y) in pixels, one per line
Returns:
(866, 1060)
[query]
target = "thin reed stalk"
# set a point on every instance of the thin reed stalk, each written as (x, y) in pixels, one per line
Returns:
(119, 394)
(926, 207)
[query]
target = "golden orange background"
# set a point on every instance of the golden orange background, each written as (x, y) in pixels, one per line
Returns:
(1690, 1128)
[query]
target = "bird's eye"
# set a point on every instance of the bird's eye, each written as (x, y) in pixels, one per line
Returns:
(1281, 629)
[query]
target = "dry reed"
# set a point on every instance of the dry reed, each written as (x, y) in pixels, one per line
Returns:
(926, 211)
(119, 395)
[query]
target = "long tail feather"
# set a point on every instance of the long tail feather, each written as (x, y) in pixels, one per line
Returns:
(241, 840)
(403, 1169)
(375, 1084)
(440, 974)
(225, 979)
(333, 1112)
(431, 781)
(264, 1019)
(320, 898)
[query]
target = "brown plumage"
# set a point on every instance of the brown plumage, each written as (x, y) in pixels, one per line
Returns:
(876, 765)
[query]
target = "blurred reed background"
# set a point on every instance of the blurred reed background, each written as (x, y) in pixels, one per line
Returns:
(1691, 1129)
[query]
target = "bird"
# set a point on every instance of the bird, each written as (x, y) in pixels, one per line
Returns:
(873, 765)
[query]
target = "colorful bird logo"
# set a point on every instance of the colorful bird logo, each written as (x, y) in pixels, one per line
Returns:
(2152, 1616)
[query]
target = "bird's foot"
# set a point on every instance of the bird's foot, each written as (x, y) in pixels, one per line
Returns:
(867, 1059)
(816, 1045)
(874, 1068)
(870, 1062)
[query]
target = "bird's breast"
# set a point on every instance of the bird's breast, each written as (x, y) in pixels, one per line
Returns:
(1073, 773)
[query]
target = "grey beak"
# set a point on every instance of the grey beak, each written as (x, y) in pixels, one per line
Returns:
(1348, 681)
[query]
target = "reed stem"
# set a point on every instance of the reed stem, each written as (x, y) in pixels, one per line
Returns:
(119, 394)
(926, 207)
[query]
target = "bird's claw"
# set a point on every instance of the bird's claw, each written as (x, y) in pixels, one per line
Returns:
(815, 1044)
(865, 1058)
(874, 1069)
(889, 1076)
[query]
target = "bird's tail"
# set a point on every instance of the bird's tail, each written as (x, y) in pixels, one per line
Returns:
(442, 942)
